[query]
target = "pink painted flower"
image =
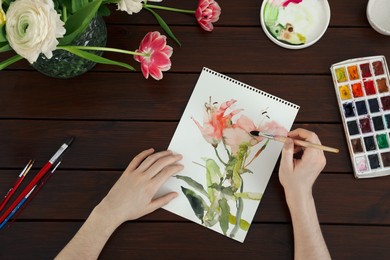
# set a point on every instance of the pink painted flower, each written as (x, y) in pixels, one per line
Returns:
(239, 134)
(208, 12)
(156, 55)
(274, 128)
(215, 121)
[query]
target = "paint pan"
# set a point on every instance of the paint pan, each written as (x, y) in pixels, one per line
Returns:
(363, 95)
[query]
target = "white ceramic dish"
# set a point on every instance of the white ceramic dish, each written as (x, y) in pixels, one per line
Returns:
(378, 15)
(301, 22)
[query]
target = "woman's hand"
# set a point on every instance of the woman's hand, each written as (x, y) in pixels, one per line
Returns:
(132, 195)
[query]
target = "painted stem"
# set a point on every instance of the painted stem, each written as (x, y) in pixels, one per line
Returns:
(169, 9)
(227, 150)
(240, 208)
(258, 153)
(219, 158)
(93, 48)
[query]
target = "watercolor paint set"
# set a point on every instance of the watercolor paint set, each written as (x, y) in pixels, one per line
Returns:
(363, 94)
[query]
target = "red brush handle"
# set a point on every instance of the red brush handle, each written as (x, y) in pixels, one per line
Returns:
(26, 190)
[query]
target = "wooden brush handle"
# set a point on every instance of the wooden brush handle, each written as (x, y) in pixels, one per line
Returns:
(307, 144)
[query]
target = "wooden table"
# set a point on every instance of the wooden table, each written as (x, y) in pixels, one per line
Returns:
(114, 114)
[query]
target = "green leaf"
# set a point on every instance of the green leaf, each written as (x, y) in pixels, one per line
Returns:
(194, 184)
(2, 34)
(10, 61)
(94, 57)
(73, 5)
(4, 46)
(78, 4)
(196, 202)
(249, 195)
(79, 21)
(104, 11)
(244, 225)
(163, 25)
(224, 217)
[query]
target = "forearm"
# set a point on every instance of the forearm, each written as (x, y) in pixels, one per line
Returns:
(90, 239)
(308, 240)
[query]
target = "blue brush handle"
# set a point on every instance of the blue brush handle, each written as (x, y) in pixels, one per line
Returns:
(13, 212)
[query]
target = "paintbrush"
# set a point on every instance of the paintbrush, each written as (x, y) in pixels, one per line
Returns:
(299, 142)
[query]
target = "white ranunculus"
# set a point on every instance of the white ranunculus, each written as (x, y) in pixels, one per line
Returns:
(33, 27)
(130, 6)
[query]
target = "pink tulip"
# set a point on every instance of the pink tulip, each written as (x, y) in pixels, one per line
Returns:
(156, 55)
(215, 121)
(208, 12)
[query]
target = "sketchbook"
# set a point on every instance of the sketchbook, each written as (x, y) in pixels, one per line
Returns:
(226, 170)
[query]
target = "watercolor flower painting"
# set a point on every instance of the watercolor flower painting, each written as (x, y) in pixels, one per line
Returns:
(221, 201)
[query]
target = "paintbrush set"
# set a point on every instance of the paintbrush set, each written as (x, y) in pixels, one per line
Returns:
(363, 95)
(32, 188)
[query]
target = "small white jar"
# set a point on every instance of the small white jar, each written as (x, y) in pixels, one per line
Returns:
(378, 15)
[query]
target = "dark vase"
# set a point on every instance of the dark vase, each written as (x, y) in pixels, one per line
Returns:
(64, 64)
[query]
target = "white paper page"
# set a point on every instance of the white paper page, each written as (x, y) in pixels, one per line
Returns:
(261, 108)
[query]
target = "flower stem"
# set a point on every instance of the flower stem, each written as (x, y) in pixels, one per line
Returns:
(94, 48)
(169, 9)
(219, 158)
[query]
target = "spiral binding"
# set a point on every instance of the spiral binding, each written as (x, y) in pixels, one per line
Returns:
(239, 83)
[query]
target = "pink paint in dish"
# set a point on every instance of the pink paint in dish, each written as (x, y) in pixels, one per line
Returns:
(291, 1)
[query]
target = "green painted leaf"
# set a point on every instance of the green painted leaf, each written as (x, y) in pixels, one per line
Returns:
(79, 21)
(196, 202)
(194, 184)
(212, 213)
(225, 190)
(262, 148)
(249, 195)
(224, 217)
(244, 225)
(163, 25)
(10, 61)
(94, 57)
(213, 175)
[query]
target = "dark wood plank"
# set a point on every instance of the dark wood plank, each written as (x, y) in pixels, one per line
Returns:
(73, 194)
(223, 50)
(111, 144)
(130, 97)
(247, 13)
(39, 240)
(340, 199)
